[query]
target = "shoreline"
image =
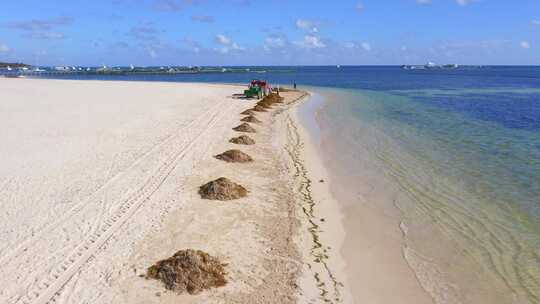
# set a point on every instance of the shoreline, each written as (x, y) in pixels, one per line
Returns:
(406, 223)
(322, 217)
(373, 244)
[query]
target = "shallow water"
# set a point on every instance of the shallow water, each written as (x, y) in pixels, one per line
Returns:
(467, 182)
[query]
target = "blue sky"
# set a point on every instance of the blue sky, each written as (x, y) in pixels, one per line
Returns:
(271, 32)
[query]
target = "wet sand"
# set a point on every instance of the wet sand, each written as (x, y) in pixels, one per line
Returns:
(372, 241)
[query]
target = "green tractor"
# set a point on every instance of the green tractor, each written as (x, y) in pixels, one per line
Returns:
(253, 91)
(257, 88)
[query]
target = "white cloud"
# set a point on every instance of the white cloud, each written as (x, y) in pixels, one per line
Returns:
(311, 42)
(222, 39)
(152, 53)
(227, 44)
(423, 2)
(353, 45)
(366, 46)
(404, 48)
(235, 46)
(4, 48)
(360, 6)
(232, 47)
(525, 44)
(307, 25)
(535, 22)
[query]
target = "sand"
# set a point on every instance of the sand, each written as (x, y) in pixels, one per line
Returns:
(89, 169)
(99, 180)
(372, 248)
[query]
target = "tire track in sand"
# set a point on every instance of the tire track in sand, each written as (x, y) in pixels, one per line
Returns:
(48, 287)
(22, 246)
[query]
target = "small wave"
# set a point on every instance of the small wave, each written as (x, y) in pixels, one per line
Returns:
(431, 278)
(404, 229)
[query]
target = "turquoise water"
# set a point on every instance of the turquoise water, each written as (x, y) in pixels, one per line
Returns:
(468, 185)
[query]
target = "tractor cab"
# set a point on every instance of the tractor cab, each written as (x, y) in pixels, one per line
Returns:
(257, 88)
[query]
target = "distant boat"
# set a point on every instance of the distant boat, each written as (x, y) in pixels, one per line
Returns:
(338, 66)
(430, 65)
(9, 68)
(413, 67)
(131, 67)
(451, 66)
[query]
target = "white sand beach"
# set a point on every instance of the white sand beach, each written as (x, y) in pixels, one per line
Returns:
(90, 168)
(99, 180)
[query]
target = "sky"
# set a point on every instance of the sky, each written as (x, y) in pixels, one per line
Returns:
(271, 32)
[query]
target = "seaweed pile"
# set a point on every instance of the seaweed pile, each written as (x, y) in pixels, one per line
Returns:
(189, 271)
(242, 140)
(222, 189)
(234, 156)
(248, 112)
(250, 118)
(270, 100)
(259, 108)
(245, 127)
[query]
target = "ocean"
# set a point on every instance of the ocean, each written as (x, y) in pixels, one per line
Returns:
(455, 151)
